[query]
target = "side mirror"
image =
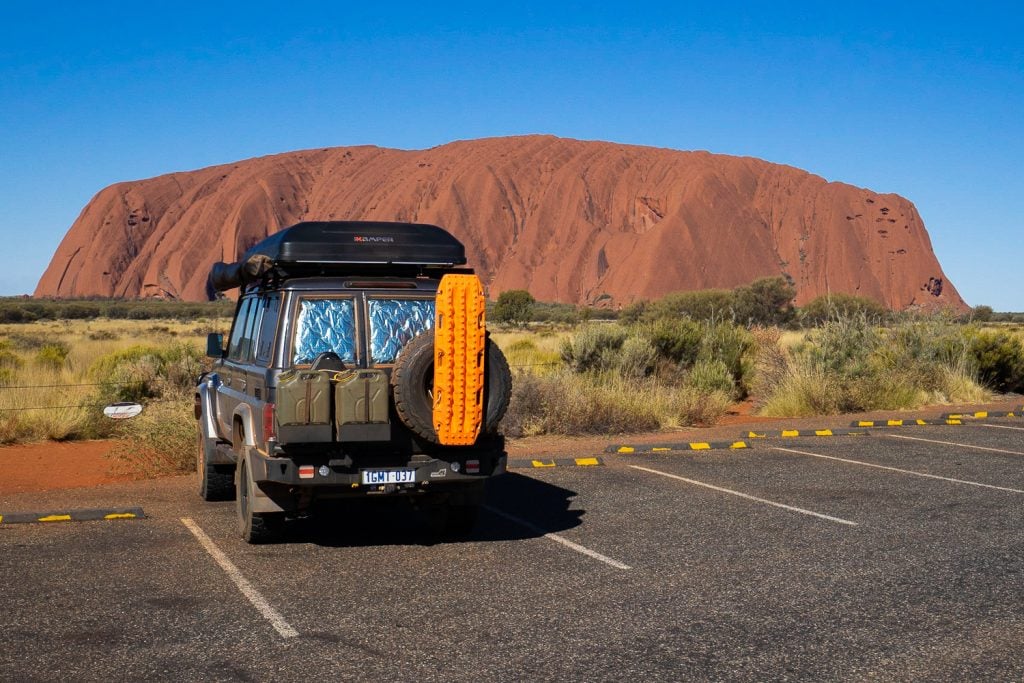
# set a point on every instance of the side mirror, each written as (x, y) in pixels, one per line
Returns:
(215, 345)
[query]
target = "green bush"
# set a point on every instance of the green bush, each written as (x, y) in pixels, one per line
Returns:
(514, 306)
(850, 365)
(767, 301)
(633, 313)
(999, 357)
(53, 356)
(144, 372)
(8, 359)
(594, 347)
(841, 307)
(981, 313)
(711, 375)
(22, 310)
(162, 440)
(637, 358)
(676, 339)
(708, 304)
(731, 345)
(566, 402)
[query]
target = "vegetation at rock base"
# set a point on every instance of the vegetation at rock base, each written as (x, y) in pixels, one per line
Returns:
(666, 364)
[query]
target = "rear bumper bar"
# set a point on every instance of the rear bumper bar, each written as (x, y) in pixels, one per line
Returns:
(327, 472)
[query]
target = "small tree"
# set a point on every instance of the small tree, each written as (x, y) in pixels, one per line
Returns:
(514, 306)
(981, 313)
(767, 301)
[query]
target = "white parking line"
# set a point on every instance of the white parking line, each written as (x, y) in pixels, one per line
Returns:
(984, 424)
(951, 443)
(558, 539)
(747, 496)
(896, 469)
(254, 596)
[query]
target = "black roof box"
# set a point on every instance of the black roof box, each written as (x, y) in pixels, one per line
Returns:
(326, 247)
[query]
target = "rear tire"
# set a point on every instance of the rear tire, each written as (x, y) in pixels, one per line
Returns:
(216, 482)
(254, 527)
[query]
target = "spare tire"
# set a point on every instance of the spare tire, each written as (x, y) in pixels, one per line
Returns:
(412, 383)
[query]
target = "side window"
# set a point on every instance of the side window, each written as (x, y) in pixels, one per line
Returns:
(267, 330)
(235, 351)
(248, 343)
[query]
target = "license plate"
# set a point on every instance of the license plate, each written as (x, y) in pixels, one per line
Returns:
(388, 476)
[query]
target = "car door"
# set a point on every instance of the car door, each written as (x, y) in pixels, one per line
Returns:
(259, 337)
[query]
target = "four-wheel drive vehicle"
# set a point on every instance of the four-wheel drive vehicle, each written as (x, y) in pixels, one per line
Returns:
(357, 365)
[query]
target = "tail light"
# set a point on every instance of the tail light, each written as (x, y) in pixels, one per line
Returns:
(269, 422)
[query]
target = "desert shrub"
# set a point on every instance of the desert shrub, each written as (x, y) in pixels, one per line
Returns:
(767, 301)
(633, 313)
(711, 375)
(77, 311)
(981, 313)
(553, 312)
(637, 358)
(566, 402)
(999, 358)
(27, 342)
(143, 372)
(53, 356)
(20, 310)
(851, 365)
(731, 345)
(698, 407)
(16, 315)
(593, 347)
(9, 360)
(841, 307)
(676, 339)
(162, 440)
(103, 335)
(708, 304)
(525, 415)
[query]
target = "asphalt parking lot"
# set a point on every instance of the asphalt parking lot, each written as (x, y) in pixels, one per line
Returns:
(895, 556)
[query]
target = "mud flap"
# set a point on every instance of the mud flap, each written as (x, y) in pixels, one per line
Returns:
(459, 349)
(266, 496)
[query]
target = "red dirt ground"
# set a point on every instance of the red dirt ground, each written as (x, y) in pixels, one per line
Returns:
(52, 465)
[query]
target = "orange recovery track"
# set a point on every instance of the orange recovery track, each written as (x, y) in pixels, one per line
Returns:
(459, 351)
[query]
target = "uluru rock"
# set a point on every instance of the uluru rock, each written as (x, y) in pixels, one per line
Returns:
(571, 221)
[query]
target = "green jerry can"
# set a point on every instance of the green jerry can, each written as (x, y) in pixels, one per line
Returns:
(361, 405)
(304, 407)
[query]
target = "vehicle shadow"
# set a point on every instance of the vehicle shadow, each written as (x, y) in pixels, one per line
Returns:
(517, 507)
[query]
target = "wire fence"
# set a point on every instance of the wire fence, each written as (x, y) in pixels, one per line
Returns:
(144, 402)
(72, 387)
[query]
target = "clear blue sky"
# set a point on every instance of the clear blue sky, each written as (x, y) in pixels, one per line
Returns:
(923, 100)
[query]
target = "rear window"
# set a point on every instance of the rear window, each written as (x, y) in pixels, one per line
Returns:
(394, 322)
(325, 325)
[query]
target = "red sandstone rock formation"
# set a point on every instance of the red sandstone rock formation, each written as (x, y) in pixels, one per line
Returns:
(580, 222)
